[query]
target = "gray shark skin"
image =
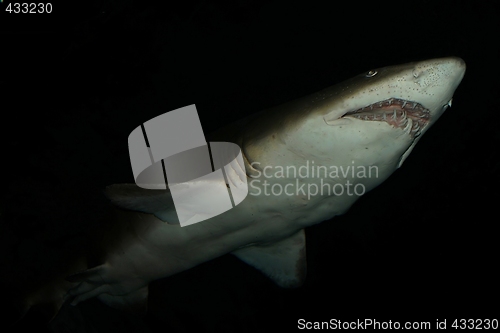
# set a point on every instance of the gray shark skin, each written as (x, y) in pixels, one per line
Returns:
(373, 120)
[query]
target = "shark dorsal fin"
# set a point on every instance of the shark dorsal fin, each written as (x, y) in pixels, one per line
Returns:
(284, 262)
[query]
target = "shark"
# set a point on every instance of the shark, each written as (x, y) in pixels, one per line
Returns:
(305, 162)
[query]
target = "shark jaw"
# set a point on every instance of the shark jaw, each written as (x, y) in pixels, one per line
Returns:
(409, 116)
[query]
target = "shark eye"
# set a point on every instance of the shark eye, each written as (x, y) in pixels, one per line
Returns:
(371, 73)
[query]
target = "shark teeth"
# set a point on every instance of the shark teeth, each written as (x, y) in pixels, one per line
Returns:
(409, 116)
(409, 125)
(415, 130)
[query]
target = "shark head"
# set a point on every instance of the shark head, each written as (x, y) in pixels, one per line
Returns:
(373, 119)
(399, 102)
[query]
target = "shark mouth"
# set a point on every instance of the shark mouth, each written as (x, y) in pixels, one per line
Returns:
(411, 117)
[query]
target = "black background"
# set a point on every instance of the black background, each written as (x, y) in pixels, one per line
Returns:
(76, 82)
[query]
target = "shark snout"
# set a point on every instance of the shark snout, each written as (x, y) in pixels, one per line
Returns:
(435, 81)
(456, 62)
(439, 69)
(454, 67)
(448, 70)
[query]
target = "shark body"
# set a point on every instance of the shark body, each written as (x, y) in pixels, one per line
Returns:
(373, 120)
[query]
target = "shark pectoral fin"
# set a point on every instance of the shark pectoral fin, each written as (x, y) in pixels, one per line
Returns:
(132, 197)
(136, 302)
(284, 262)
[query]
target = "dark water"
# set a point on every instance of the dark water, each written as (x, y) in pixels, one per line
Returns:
(75, 82)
